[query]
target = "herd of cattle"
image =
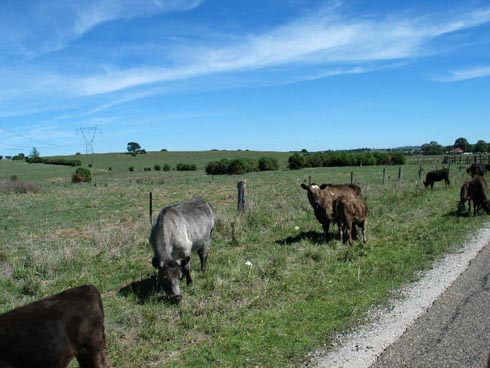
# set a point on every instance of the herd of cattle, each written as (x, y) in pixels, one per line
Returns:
(52, 331)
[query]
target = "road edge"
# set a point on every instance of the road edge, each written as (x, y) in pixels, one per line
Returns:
(361, 348)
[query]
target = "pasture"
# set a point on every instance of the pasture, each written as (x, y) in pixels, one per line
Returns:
(272, 291)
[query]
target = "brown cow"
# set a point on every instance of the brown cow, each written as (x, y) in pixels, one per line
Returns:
(349, 212)
(464, 197)
(321, 198)
(54, 330)
(477, 169)
(476, 193)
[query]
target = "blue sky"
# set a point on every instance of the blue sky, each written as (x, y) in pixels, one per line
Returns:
(261, 75)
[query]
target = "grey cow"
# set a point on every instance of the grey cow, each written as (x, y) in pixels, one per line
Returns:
(179, 230)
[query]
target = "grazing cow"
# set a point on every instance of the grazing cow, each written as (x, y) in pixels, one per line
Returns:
(179, 230)
(54, 330)
(321, 199)
(436, 175)
(477, 170)
(476, 193)
(349, 212)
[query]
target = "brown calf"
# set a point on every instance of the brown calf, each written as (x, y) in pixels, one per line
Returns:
(321, 198)
(349, 212)
(54, 330)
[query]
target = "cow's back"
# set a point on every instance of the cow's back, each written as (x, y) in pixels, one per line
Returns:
(178, 227)
(53, 330)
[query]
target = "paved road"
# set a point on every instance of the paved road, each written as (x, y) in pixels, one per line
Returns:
(455, 332)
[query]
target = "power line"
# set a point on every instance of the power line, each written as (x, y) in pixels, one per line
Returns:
(29, 138)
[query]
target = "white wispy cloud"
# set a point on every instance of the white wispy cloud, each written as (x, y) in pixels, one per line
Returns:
(50, 25)
(325, 39)
(464, 74)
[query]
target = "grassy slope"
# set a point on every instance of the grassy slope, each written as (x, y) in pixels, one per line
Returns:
(297, 294)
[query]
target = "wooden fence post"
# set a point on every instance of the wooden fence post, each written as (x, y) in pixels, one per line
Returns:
(352, 177)
(384, 175)
(242, 186)
(151, 208)
(399, 174)
(420, 171)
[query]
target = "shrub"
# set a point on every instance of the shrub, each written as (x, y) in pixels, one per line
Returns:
(186, 167)
(81, 175)
(166, 167)
(218, 167)
(238, 166)
(296, 161)
(157, 167)
(13, 178)
(131, 168)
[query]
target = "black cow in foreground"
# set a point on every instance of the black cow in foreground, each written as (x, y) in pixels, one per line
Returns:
(54, 330)
(179, 230)
(436, 175)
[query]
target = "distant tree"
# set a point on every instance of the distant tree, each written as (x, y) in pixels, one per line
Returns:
(34, 153)
(134, 147)
(481, 146)
(19, 157)
(432, 148)
(462, 143)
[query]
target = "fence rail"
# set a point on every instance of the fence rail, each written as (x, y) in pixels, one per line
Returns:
(462, 159)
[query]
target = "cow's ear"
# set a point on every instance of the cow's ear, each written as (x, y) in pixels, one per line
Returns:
(323, 186)
(304, 186)
(184, 262)
(156, 263)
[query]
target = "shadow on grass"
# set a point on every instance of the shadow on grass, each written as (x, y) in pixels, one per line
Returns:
(144, 290)
(312, 236)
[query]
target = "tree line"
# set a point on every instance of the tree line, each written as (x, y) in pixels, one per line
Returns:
(461, 145)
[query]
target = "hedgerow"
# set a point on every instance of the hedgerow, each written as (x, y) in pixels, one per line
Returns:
(345, 158)
(239, 166)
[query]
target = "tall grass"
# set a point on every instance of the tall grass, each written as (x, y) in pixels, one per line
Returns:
(273, 291)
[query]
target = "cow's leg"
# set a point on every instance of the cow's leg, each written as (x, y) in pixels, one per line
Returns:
(92, 353)
(91, 359)
(354, 231)
(350, 225)
(363, 230)
(326, 230)
(203, 256)
(186, 270)
(341, 230)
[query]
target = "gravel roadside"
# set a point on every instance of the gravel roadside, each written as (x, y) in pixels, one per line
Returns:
(361, 348)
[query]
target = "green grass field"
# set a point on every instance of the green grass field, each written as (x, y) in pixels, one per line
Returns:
(297, 294)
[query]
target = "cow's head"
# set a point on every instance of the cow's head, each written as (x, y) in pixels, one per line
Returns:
(169, 275)
(314, 193)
